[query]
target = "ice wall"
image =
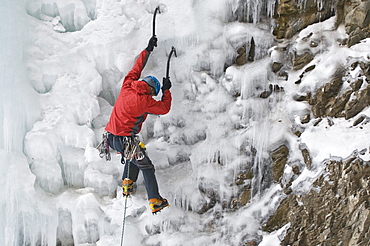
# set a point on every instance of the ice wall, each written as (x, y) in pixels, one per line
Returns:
(19, 110)
(219, 125)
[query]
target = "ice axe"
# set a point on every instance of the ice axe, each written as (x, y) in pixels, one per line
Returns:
(157, 9)
(173, 50)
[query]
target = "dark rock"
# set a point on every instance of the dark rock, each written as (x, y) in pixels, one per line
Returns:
(314, 44)
(265, 94)
(244, 197)
(283, 75)
(361, 101)
(337, 209)
(292, 16)
(323, 100)
(317, 122)
(241, 59)
(305, 118)
(307, 158)
(309, 69)
(298, 133)
(299, 61)
(335, 106)
(243, 176)
(251, 243)
(296, 170)
(356, 85)
(357, 35)
(280, 218)
(276, 66)
(252, 51)
(279, 158)
(359, 120)
(288, 190)
(357, 21)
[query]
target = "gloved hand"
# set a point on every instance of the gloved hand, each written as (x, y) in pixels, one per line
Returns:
(152, 43)
(166, 84)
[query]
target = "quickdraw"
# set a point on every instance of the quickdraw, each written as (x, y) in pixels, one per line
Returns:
(133, 148)
(103, 147)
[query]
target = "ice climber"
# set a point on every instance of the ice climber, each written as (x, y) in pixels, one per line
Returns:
(132, 107)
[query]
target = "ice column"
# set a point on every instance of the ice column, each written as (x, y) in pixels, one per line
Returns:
(18, 111)
(256, 116)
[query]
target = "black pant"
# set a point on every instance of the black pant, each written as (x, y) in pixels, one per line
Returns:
(132, 168)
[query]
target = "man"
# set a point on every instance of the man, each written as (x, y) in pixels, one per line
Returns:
(132, 107)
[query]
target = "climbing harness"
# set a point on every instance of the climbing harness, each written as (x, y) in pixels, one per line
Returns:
(103, 147)
(132, 148)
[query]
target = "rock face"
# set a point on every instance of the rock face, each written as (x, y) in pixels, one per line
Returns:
(335, 212)
(337, 209)
(294, 15)
(279, 158)
(355, 15)
(330, 100)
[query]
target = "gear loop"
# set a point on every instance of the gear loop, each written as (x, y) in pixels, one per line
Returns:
(132, 148)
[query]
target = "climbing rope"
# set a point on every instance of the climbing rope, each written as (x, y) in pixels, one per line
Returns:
(132, 151)
(124, 211)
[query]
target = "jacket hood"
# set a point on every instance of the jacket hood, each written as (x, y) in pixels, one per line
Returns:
(140, 87)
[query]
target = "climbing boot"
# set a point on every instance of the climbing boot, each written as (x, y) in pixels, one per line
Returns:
(157, 204)
(127, 186)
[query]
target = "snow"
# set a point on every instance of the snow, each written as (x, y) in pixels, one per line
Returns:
(64, 68)
(321, 137)
(275, 237)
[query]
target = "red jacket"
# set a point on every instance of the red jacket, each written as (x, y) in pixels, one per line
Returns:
(134, 102)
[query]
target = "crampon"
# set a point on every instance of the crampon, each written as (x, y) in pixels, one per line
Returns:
(157, 204)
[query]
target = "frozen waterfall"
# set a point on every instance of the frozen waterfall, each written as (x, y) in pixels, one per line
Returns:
(58, 87)
(62, 65)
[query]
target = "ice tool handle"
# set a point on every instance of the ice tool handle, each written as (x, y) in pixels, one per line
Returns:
(157, 9)
(173, 51)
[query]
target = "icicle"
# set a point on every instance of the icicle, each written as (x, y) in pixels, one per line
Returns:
(253, 10)
(270, 7)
